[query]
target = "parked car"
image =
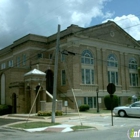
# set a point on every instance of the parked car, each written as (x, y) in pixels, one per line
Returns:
(131, 110)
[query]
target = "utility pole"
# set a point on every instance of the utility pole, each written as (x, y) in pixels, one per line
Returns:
(97, 90)
(55, 75)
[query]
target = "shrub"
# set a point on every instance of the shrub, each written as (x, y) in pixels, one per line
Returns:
(108, 100)
(5, 109)
(84, 107)
(46, 113)
(58, 113)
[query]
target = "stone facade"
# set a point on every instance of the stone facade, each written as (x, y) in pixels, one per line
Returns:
(89, 58)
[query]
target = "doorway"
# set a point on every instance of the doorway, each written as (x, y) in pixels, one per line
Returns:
(91, 101)
(49, 81)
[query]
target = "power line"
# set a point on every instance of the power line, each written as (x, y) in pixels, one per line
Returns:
(65, 52)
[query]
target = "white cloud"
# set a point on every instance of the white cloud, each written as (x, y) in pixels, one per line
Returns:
(20, 17)
(130, 23)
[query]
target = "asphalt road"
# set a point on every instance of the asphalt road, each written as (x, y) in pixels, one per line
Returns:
(108, 134)
(8, 121)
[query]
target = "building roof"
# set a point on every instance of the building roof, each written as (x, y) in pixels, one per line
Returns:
(34, 72)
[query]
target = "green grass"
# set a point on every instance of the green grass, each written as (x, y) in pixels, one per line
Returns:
(79, 127)
(29, 125)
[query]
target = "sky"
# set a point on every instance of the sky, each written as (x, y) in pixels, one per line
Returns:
(21, 17)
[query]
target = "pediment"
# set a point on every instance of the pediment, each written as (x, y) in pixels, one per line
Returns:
(111, 32)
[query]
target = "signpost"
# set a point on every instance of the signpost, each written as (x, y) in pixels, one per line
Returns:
(111, 88)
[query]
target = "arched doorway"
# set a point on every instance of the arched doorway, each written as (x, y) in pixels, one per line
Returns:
(49, 81)
(14, 103)
(2, 89)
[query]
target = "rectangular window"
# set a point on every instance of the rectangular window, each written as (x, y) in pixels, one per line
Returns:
(40, 55)
(85, 100)
(113, 77)
(83, 77)
(50, 56)
(63, 75)
(88, 81)
(3, 66)
(87, 76)
(24, 59)
(63, 57)
(18, 61)
(10, 63)
(133, 79)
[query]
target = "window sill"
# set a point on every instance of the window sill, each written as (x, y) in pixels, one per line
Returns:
(95, 85)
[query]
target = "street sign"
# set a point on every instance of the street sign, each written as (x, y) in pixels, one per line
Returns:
(111, 88)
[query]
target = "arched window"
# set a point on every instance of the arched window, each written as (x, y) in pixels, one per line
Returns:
(133, 63)
(112, 69)
(87, 57)
(133, 72)
(87, 67)
(112, 61)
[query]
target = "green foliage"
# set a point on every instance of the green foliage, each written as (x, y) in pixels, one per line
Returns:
(58, 113)
(84, 107)
(5, 109)
(46, 113)
(108, 100)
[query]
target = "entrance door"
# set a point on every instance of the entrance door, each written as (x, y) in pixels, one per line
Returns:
(49, 81)
(14, 103)
(90, 102)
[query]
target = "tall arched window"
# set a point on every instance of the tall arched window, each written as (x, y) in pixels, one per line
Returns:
(133, 72)
(87, 67)
(112, 69)
(87, 57)
(133, 64)
(112, 61)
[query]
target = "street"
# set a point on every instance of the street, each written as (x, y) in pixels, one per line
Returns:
(108, 134)
(104, 129)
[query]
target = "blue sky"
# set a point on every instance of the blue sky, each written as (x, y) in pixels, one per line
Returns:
(119, 8)
(21, 17)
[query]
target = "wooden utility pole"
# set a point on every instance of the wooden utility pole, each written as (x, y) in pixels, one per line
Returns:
(55, 75)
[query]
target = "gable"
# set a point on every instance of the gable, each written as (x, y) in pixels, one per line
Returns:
(111, 32)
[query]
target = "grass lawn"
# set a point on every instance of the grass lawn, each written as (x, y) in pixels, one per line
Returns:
(78, 127)
(29, 125)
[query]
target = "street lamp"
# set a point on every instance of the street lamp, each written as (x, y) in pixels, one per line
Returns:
(97, 90)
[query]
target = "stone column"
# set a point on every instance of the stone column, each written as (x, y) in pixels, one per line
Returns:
(127, 80)
(122, 71)
(99, 69)
(104, 69)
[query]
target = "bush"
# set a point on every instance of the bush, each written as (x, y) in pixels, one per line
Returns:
(46, 113)
(5, 109)
(108, 99)
(84, 107)
(58, 113)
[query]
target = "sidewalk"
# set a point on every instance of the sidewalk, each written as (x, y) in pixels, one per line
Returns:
(66, 121)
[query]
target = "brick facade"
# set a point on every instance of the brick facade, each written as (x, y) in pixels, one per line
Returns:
(33, 51)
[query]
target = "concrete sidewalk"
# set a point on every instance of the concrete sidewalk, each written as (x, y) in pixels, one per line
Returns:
(66, 121)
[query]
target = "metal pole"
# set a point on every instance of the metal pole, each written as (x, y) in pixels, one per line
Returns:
(55, 75)
(97, 90)
(111, 97)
